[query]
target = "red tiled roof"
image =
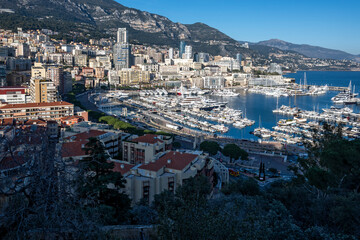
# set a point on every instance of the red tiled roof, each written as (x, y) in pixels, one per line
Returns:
(71, 118)
(148, 138)
(34, 105)
(35, 121)
(123, 168)
(73, 149)
(9, 162)
(84, 136)
(7, 121)
(13, 87)
(178, 161)
(9, 90)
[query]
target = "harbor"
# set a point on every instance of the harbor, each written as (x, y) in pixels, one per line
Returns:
(238, 113)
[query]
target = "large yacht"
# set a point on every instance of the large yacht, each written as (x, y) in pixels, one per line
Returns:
(225, 93)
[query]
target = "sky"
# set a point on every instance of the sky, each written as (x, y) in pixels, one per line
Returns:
(327, 23)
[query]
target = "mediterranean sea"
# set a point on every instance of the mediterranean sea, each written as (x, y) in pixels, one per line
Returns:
(258, 106)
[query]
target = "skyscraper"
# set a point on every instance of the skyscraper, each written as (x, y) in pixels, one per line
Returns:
(122, 35)
(188, 52)
(121, 50)
(171, 53)
(182, 48)
(238, 57)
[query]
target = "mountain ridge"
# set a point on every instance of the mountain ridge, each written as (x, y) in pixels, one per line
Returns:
(81, 20)
(105, 16)
(310, 50)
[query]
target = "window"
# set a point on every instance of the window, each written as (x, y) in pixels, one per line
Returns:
(146, 191)
(171, 184)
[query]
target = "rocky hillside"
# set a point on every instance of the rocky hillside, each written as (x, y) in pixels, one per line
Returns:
(311, 51)
(103, 17)
(85, 19)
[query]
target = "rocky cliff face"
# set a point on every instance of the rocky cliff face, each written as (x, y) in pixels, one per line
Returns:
(107, 15)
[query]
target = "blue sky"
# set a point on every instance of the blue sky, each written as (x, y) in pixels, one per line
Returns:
(332, 23)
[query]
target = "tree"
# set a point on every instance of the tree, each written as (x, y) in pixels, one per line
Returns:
(247, 186)
(211, 147)
(234, 152)
(273, 171)
(40, 197)
(185, 215)
(333, 161)
(102, 184)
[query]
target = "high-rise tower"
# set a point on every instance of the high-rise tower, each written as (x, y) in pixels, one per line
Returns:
(121, 50)
(171, 53)
(188, 52)
(122, 35)
(182, 48)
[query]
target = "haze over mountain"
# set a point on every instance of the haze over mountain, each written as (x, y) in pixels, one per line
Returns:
(310, 51)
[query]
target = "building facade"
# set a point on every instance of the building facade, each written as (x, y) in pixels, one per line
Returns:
(165, 173)
(143, 149)
(42, 90)
(14, 95)
(51, 111)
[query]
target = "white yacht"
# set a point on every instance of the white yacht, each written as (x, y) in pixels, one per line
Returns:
(225, 93)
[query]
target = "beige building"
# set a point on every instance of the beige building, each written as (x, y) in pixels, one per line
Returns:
(49, 111)
(167, 171)
(38, 70)
(142, 149)
(130, 76)
(42, 90)
(81, 60)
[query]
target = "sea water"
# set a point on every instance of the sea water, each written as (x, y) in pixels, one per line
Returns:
(259, 107)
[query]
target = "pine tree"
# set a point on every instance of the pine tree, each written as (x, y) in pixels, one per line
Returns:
(102, 184)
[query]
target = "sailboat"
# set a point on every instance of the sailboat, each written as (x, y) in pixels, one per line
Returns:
(346, 97)
(277, 110)
(261, 132)
(352, 96)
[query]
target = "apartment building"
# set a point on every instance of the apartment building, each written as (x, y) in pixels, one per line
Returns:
(142, 149)
(38, 70)
(42, 90)
(14, 95)
(214, 82)
(73, 147)
(130, 76)
(50, 111)
(166, 172)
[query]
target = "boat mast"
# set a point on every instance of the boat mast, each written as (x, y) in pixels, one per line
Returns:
(350, 86)
(259, 121)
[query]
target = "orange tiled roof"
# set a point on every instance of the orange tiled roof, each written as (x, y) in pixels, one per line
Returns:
(148, 138)
(84, 136)
(126, 167)
(35, 121)
(70, 118)
(178, 161)
(8, 162)
(7, 121)
(34, 105)
(73, 149)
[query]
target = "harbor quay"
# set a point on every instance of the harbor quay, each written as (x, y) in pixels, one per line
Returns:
(155, 119)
